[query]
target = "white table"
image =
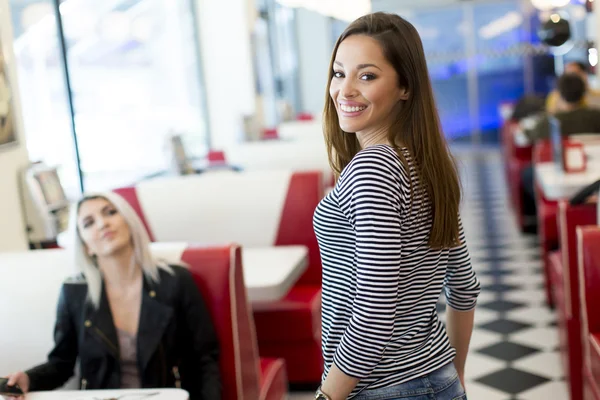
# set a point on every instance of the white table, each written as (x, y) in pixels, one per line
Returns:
(130, 394)
(556, 184)
(270, 272)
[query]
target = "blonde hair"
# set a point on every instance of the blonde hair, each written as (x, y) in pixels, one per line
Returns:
(142, 256)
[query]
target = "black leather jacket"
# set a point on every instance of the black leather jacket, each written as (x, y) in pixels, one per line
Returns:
(176, 340)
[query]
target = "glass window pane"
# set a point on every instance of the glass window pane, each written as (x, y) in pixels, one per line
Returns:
(43, 92)
(442, 34)
(135, 79)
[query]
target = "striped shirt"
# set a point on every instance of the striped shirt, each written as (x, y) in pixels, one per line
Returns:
(381, 281)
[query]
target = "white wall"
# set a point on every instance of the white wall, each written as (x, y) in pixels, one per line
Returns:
(12, 227)
(225, 48)
(315, 45)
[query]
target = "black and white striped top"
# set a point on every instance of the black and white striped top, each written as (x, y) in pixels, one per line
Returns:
(381, 281)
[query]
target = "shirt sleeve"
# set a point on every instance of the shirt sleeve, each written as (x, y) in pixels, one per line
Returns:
(370, 198)
(461, 285)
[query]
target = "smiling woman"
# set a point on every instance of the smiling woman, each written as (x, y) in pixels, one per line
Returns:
(389, 232)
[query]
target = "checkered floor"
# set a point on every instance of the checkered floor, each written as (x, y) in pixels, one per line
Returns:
(514, 345)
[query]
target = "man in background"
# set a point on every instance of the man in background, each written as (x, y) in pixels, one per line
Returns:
(554, 102)
(574, 116)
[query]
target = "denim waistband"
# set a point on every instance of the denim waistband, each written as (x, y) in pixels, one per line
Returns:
(433, 382)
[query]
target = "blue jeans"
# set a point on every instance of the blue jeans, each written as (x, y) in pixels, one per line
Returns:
(442, 384)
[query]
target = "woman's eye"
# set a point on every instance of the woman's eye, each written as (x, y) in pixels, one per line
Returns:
(87, 224)
(337, 74)
(367, 77)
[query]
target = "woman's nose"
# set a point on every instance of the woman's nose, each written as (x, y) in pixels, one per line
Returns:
(348, 89)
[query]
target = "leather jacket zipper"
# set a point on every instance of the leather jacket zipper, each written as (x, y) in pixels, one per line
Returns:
(106, 340)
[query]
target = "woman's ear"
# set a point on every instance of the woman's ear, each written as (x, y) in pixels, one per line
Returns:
(403, 94)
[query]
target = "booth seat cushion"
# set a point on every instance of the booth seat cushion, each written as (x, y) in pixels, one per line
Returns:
(273, 380)
(297, 317)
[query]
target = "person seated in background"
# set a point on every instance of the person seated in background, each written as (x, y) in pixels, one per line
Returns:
(555, 103)
(574, 117)
(132, 321)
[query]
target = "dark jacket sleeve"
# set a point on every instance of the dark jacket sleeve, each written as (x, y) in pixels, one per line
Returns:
(61, 360)
(540, 131)
(203, 359)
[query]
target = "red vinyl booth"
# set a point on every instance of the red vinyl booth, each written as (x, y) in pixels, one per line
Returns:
(291, 327)
(588, 239)
(218, 274)
(564, 284)
(546, 215)
(516, 159)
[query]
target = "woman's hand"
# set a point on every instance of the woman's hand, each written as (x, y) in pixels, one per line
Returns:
(21, 379)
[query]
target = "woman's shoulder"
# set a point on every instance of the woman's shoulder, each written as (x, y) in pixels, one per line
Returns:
(381, 159)
(175, 275)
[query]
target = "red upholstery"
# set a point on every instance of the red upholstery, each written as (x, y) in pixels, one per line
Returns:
(546, 215)
(273, 380)
(270, 133)
(295, 321)
(564, 284)
(592, 372)
(130, 195)
(304, 194)
(216, 157)
(218, 274)
(516, 159)
(304, 116)
(588, 252)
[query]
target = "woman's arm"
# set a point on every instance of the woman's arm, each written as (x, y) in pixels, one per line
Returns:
(61, 360)
(203, 357)
(462, 289)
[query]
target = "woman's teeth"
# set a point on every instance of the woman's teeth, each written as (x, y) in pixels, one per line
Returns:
(351, 109)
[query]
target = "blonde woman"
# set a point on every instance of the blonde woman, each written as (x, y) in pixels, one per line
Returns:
(132, 322)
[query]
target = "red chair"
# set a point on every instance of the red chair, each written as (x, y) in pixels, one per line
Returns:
(304, 116)
(564, 283)
(547, 211)
(218, 274)
(588, 239)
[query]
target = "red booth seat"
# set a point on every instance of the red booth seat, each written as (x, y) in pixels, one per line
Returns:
(516, 159)
(218, 274)
(254, 209)
(564, 284)
(588, 239)
(547, 211)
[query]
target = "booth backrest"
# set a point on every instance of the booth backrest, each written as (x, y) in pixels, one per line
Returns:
(293, 155)
(255, 209)
(32, 280)
(569, 218)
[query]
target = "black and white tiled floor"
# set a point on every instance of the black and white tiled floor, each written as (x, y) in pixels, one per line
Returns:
(513, 352)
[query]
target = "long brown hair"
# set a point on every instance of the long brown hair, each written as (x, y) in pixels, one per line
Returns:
(416, 126)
